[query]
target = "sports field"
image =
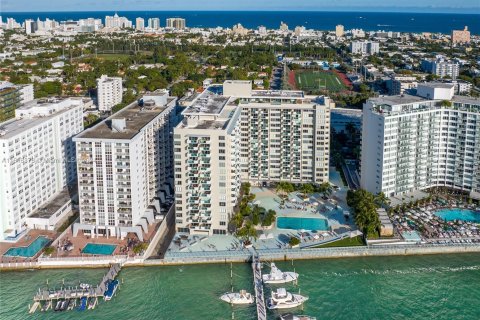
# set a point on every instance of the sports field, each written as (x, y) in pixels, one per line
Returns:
(318, 80)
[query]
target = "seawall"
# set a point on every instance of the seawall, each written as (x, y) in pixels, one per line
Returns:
(243, 256)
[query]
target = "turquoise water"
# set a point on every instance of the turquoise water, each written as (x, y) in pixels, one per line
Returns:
(440, 287)
(29, 251)
(98, 248)
(458, 214)
(302, 223)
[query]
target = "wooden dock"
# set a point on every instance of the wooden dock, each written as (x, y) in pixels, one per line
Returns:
(76, 292)
(258, 284)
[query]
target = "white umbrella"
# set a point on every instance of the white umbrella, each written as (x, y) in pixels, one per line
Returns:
(270, 236)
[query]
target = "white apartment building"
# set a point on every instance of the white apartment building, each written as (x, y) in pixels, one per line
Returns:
(37, 158)
(140, 24)
(154, 23)
(411, 143)
(233, 134)
(117, 22)
(109, 92)
(123, 165)
(441, 67)
(176, 23)
(364, 47)
(30, 26)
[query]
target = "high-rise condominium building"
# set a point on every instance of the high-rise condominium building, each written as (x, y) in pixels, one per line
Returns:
(11, 97)
(37, 158)
(461, 36)
(176, 23)
(109, 92)
(117, 22)
(140, 24)
(30, 26)
(154, 23)
(339, 31)
(123, 165)
(244, 135)
(411, 143)
(441, 67)
(364, 47)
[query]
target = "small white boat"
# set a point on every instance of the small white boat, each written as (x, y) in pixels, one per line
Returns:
(242, 297)
(281, 299)
(277, 276)
(291, 316)
(84, 285)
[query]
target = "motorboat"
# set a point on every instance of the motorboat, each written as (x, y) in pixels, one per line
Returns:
(111, 288)
(58, 305)
(92, 302)
(65, 304)
(291, 316)
(83, 304)
(277, 276)
(84, 286)
(242, 297)
(281, 299)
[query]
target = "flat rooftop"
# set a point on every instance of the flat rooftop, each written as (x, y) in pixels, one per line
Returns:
(136, 118)
(278, 93)
(16, 126)
(441, 85)
(207, 103)
(55, 204)
(396, 100)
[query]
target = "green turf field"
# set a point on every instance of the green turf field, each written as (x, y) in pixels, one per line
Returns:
(318, 80)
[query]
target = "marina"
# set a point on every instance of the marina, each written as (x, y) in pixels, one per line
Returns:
(87, 296)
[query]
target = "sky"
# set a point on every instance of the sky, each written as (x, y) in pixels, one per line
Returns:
(460, 6)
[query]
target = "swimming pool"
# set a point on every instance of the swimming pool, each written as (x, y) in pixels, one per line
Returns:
(302, 223)
(29, 251)
(99, 248)
(458, 214)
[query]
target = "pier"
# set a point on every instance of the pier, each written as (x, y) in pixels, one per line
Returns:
(258, 284)
(48, 295)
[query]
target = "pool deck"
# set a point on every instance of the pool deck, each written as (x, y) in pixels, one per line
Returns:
(273, 237)
(24, 241)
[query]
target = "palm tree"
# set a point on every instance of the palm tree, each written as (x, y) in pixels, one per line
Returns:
(284, 187)
(381, 199)
(306, 189)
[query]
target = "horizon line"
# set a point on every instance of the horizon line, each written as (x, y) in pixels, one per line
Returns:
(449, 10)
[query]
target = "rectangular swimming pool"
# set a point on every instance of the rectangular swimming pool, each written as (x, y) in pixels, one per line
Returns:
(99, 248)
(295, 223)
(458, 214)
(30, 251)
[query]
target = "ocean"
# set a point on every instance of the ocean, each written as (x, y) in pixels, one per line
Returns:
(405, 22)
(413, 287)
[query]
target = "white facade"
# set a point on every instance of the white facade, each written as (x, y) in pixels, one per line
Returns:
(154, 23)
(411, 143)
(30, 26)
(38, 158)
(27, 92)
(441, 67)
(109, 92)
(176, 23)
(124, 163)
(256, 136)
(140, 24)
(364, 47)
(436, 90)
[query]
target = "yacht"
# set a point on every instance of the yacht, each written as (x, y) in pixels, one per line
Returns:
(112, 286)
(277, 276)
(291, 316)
(281, 299)
(242, 297)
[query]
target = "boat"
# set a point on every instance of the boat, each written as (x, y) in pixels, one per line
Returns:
(58, 305)
(111, 288)
(65, 304)
(91, 303)
(277, 276)
(83, 304)
(281, 299)
(72, 304)
(291, 316)
(242, 297)
(84, 286)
